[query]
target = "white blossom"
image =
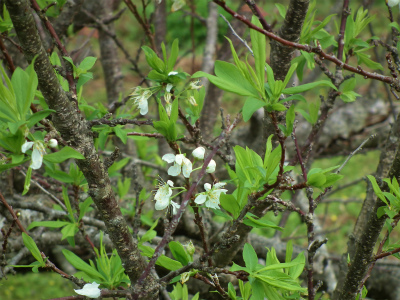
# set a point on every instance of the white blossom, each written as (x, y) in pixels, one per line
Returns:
(169, 85)
(172, 73)
(211, 196)
(37, 153)
(211, 166)
(53, 143)
(140, 97)
(163, 194)
(90, 290)
(199, 152)
(194, 85)
(181, 164)
(392, 3)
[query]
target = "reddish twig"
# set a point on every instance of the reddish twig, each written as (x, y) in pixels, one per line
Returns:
(345, 13)
(146, 27)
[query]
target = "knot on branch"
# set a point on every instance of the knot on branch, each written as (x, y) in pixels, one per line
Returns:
(110, 160)
(314, 246)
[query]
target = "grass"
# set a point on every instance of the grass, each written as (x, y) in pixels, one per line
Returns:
(35, 286)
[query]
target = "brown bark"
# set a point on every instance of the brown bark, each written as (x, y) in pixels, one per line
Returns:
(76, 132)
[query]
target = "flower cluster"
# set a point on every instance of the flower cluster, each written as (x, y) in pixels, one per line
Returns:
(210, 197)
(185, 166)
(140, 97)
(181, 163)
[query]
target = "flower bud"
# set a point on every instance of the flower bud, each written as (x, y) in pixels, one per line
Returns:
(211, 166)
(53, 143)
(190, 248)
(199, 152)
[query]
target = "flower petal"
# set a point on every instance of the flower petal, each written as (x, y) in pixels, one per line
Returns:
(179, 159)
(170, 183)
(37, 156)
(392, 3)
(90, 290)
(26, 146)
(175, 170)
(175, 207)
(162, 204)
(169, 158)
(186, 167)
(200, 199)
(219, 184)
(143, 105)
(207, 186)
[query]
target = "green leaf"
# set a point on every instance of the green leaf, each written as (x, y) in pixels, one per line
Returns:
(280, 280)
(317, 179)
(163, 260)
(270, 77)
(281, 9)
(174, 55)
(229, 79)
(276, 107)
(289, 74)
(250, 106)
(38, 116)
(290, 116)
(331, 179)
(156, 76)
(87, 63)
(376, 188)
(153, 60)
(32, 247)
(260, 223)
(259, 43)
(250, 257)
(179, 252)
(24, 85)
(231, 291)
(50, 224)
(62, 155)
(363, 58)
(296, 270)
(69, 59)
(79, 264)
(83, 207)
(229, 203)
(121, 133)
(69, 231)
(27, 182)
(67, 203)
(308, 86)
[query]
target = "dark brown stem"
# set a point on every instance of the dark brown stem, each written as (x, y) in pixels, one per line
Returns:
(146, 27)
(60, 46)
(6, 55)
(256, 11)
(345, 14)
